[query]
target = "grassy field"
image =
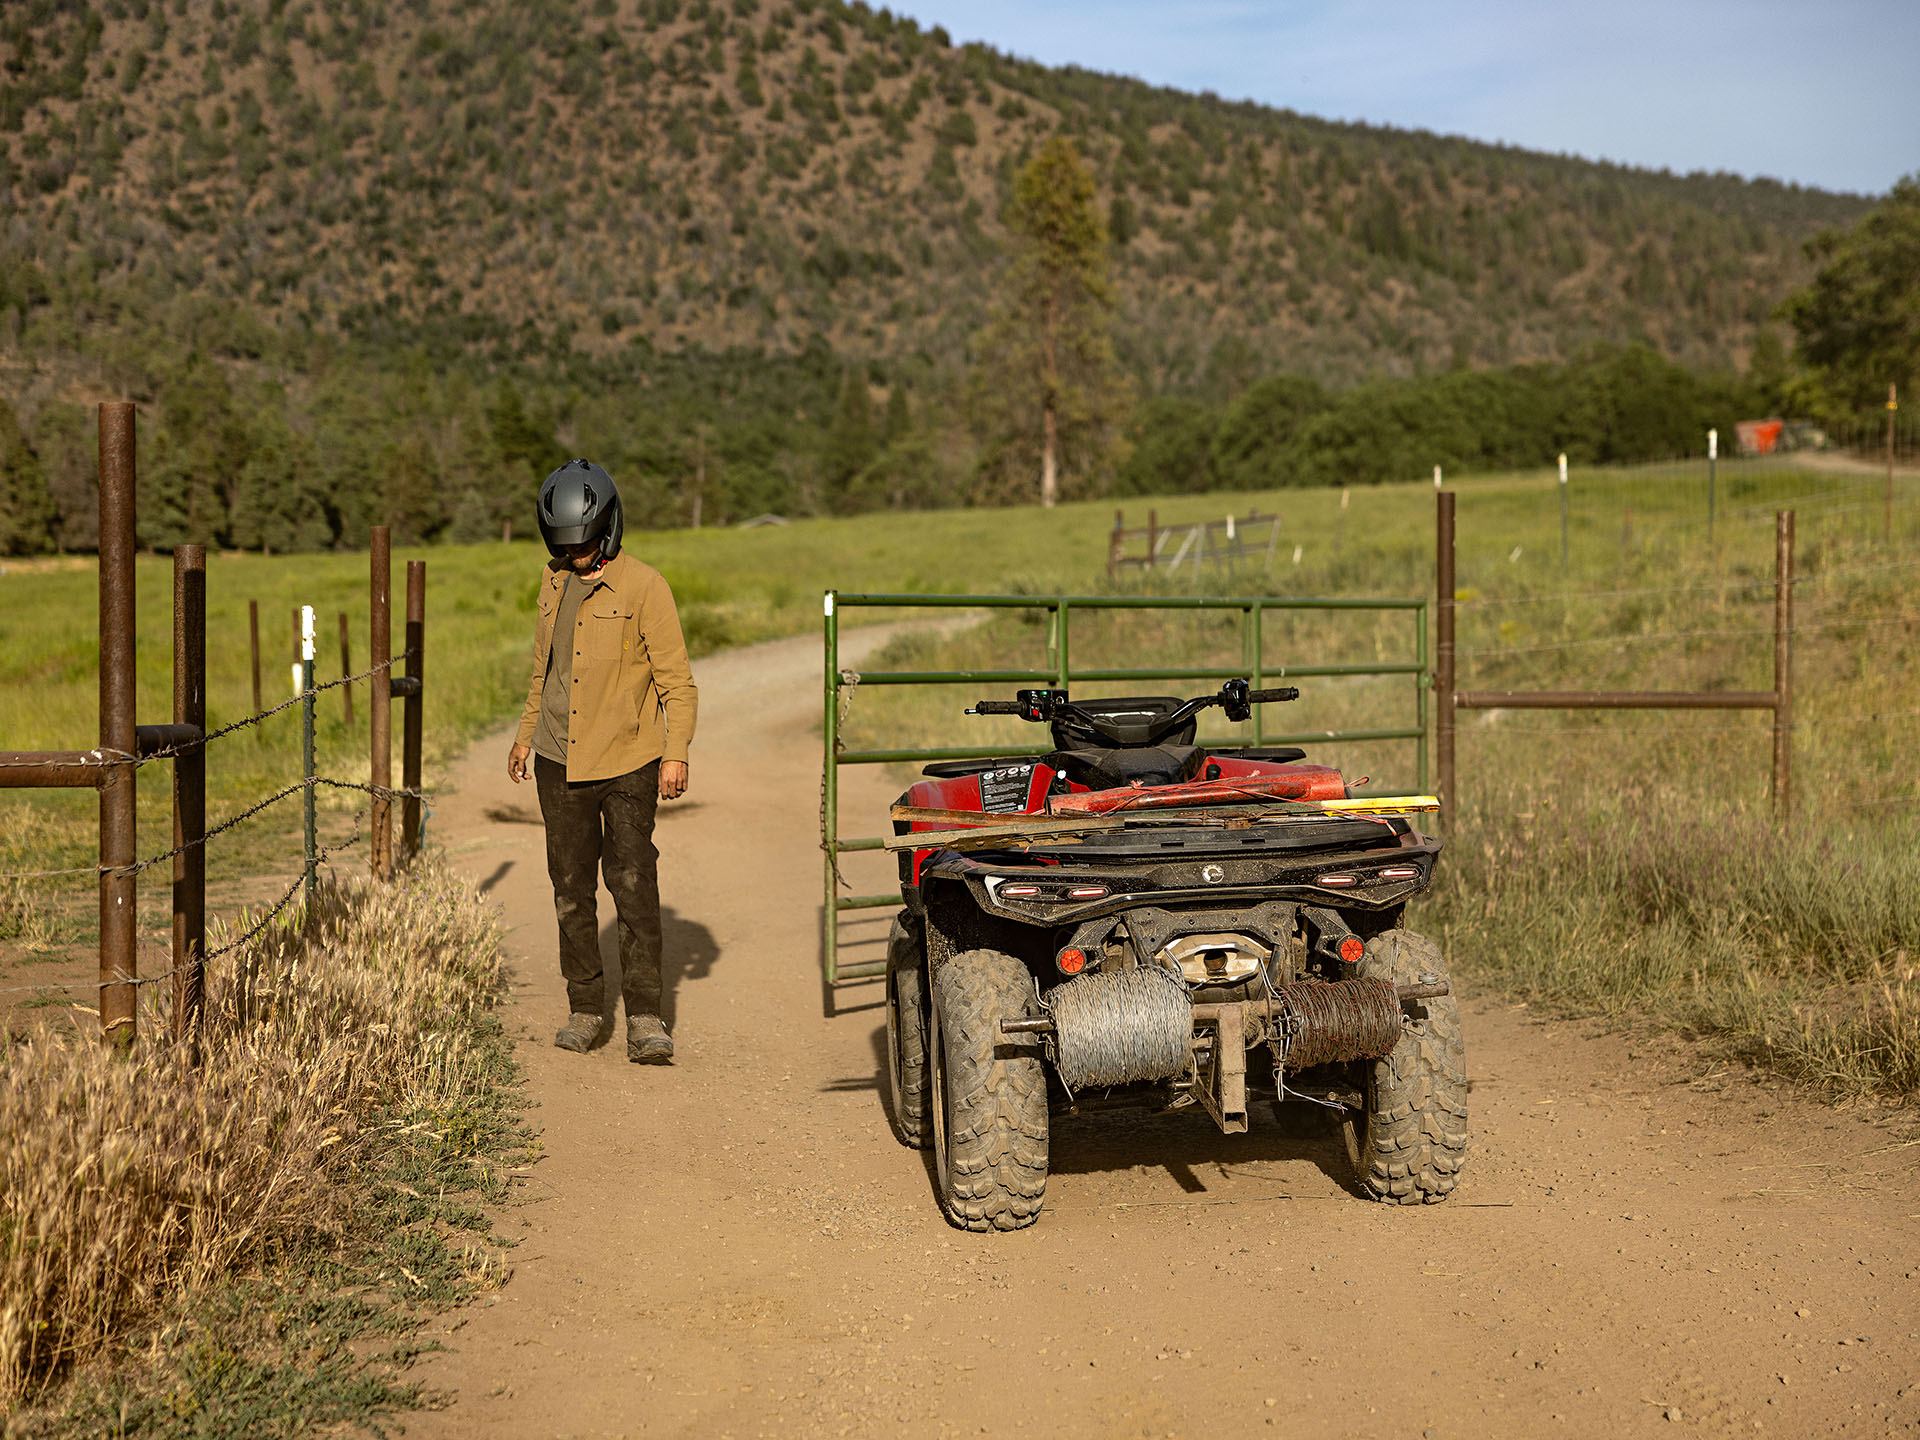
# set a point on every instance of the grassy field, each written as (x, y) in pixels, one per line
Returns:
(1616, 862)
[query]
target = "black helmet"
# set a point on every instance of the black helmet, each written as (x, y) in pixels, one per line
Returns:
(578, 505)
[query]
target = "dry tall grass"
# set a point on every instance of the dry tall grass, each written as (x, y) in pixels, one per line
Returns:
(128, 1181)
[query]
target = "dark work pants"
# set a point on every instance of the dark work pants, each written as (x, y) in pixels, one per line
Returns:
(591, 825)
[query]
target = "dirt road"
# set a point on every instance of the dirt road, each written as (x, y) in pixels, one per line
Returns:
(736, 1245)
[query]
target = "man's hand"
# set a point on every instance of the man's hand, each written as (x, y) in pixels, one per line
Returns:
(517, 763)
(673, 779)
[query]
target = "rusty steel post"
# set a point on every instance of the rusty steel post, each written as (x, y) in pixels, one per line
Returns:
(253, 637)
(119, 965)
(346, 668)
(411, 734)
(380, 697)
(189, 790)
(1153, 536)
(1783, 664)
(1443, 675)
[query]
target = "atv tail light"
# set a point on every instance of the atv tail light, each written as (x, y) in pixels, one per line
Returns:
(1070, 961)
(1401, 872)
(1352, 948)
(1019, 892)
(1336, 882)
(1088, 892)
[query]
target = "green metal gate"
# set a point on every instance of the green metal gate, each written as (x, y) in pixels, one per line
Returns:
(1062, 674)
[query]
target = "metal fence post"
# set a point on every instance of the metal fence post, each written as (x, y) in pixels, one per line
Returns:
(1062, 657)
(189, 790)
(411, 735)
(1421, 682)
(380, 698)
(1443, 646)
(119, 966)
(1783, 665)
(830, 798)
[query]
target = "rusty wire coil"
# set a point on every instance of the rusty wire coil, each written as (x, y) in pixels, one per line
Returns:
(1117, 1028)
(1323, 1023)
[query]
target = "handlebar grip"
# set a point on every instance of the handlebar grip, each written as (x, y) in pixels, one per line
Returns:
(1284, 692)
(998, 707)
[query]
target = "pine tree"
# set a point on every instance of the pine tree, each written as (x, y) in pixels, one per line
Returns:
(26, 505)
(850, 442)
(1047, 387)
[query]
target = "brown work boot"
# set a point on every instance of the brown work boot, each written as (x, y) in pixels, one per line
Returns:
(579, 1034)
(648, 1042)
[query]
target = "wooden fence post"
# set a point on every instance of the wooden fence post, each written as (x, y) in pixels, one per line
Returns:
(346, 668)
(1783, 665)
(189, 792)
(119, 964)
(1443, 675)
(253, 637)
(380, 697)
(411, 736)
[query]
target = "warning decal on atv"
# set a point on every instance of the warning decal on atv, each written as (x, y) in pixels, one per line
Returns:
(1005, 789)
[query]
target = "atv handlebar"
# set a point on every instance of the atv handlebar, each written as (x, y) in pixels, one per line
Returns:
(1041, 706)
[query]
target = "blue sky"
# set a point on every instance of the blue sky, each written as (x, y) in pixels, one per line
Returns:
(1823, 92)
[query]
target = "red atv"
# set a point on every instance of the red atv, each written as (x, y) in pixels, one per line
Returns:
(1133, 913)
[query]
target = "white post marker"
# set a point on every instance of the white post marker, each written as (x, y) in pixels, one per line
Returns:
(827, 606)
(1713, 444)
(304, 665)
(1229, 529)
(1563, 467)
(1436, 477)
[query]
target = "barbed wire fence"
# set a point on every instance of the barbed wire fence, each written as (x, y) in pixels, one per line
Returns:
(126, 748)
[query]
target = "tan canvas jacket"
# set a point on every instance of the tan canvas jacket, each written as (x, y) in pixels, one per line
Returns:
(634, 700)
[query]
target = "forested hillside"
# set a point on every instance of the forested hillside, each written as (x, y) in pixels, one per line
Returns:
(417, 250)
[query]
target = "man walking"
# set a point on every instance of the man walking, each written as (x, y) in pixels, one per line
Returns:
(608, 721)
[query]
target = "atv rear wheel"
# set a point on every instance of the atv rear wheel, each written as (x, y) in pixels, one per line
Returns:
(907, 1043)
(1407, 1145)
(989, 1098)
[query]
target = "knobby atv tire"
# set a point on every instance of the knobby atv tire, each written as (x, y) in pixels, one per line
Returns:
(989, 1094)
(1408, 1145)
(907, 1053)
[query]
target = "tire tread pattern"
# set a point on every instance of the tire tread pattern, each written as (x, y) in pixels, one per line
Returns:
(1414, 1133)
(996, 1094)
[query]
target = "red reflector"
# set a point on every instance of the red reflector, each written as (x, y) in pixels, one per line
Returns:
(1071, 961)
(1335, 882)
(1352, 948)
(1401, 872)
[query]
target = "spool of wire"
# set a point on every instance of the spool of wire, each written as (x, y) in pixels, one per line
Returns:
(1115, 1028)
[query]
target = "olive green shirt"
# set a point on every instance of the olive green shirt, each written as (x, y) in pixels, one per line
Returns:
(550, 734)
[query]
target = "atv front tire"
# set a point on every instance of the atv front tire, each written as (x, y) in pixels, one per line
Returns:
(989, 1097)
(907, 1041)
(1409, 1142)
